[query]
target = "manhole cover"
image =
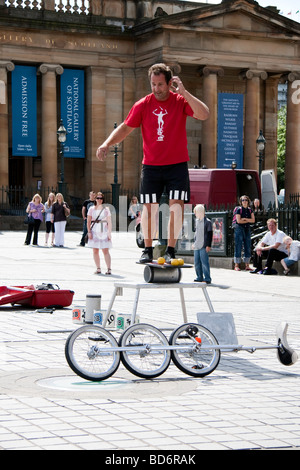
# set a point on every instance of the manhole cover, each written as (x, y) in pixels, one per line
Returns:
(75, 383)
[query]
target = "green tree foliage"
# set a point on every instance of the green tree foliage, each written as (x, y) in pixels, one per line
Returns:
(281, 141)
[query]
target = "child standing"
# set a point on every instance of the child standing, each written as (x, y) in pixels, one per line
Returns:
(202, 245)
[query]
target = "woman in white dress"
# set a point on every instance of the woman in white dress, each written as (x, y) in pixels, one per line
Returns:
(99, 232)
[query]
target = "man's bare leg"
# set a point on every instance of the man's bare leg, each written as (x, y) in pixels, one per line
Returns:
(175, 226)
(175, 222)
(149, 228)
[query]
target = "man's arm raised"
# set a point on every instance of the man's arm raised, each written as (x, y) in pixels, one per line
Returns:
(199, 108)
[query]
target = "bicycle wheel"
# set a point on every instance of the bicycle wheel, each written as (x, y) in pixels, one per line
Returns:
(195, 358)
(91, 353)
(146, 356)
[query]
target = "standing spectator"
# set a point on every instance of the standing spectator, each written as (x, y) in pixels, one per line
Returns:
(34, 209)
(134, 208)
(242, 233)
(60, 212)
(99, 232)
(271, 245)
(85, 207)
(202, 245)
(256, 206)
(293, 248)
(49, 225)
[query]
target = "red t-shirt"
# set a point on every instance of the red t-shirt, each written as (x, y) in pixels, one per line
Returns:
(163, 125)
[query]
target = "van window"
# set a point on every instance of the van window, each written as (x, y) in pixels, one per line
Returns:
(246, 184)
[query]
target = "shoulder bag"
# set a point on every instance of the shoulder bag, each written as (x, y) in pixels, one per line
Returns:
(92, 225)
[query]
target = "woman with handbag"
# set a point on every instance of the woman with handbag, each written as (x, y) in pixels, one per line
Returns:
(35, 211)
(99, 232)
(59, 214)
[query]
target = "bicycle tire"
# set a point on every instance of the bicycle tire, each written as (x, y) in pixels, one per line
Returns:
(196, 362)
(87, 353)
(146, 359)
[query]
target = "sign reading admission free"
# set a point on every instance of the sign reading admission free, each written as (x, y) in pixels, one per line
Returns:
(24, 111)
(72, 111)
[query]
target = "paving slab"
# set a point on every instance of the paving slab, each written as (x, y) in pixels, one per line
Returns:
(251, 401)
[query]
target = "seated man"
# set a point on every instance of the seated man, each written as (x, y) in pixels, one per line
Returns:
(271, 245)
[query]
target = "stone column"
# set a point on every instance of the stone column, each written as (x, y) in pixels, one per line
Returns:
(210, 126)
(252, 123)
(135, 140)
(292, 155)
(131, 162)
(49, 123)
(49, 5)
(96, 7)
(271, 109)
(114, 94)
(95, 171)
(5, 66)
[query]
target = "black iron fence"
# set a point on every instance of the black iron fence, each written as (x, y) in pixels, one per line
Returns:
(14, 199)
(288, 219)
(295, 198)
(287, 216)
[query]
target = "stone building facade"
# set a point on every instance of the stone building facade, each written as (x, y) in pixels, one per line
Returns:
(235, 46)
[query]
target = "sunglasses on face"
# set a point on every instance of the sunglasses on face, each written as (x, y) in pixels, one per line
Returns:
(99, 197)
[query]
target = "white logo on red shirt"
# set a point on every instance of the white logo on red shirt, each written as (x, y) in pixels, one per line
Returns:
(160, 113)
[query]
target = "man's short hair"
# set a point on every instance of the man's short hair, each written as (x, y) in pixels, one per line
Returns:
(157, 69)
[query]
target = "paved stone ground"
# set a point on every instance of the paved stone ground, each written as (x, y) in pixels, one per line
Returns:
(251, 401)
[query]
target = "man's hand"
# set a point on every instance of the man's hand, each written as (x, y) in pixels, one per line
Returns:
(117, 136)
(200, 109)
(177, 86)
(101, 153)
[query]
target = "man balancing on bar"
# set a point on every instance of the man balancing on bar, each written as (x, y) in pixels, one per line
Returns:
(162, 117)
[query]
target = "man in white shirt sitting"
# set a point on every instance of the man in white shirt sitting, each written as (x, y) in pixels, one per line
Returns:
(272, 246)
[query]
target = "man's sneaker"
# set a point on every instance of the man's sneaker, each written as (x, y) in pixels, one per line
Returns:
(169, 254)
(147, 255)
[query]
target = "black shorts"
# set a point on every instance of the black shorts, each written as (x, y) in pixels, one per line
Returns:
(174, 179)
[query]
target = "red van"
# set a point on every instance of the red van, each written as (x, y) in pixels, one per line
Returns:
(217, 186)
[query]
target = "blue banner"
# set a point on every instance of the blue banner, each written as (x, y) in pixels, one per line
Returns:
(230, 130)
(72, 111)
(24, 112)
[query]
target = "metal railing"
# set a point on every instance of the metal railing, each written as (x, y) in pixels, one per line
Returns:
(295, 198)
(14, 199)
(287, 216)
(66, 6)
